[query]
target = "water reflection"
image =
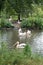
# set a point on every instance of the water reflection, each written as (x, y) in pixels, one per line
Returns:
(9, 36)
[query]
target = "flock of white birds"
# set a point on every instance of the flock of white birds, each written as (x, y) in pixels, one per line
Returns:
(21, 35)
(24, 34)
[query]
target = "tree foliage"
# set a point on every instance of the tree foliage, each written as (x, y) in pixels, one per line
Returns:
(2, 4)
(20, 6)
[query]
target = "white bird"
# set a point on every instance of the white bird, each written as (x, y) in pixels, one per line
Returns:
(20, 30)
(19, 22)
(18, 45)
(10, 19)
(24, 34)
(28, 32)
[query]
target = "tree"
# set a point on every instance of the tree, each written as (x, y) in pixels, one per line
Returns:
(2, 4)
(20, 6)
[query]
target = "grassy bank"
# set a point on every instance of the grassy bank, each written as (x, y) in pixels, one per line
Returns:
(15, 57)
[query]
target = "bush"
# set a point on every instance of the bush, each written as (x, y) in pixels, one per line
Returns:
(25, 24)
(39, 23)
(32, 23)
(27, 51)
(5, 22)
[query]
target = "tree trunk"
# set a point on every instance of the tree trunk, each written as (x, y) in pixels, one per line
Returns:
(19, 17)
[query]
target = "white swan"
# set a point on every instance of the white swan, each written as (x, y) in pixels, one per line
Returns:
(24, 34)
(10, 19)
(19, 22)
(28, 32)
(18, 45)
(20, 30)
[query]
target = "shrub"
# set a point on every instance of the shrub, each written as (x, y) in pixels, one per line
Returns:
(27, 51)
(32, 23)
(25, 24)
(39, 23)
(5, 22)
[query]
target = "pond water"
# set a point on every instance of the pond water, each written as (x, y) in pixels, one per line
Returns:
(10, 36)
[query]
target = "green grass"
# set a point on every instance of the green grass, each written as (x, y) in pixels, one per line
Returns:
(14, 57)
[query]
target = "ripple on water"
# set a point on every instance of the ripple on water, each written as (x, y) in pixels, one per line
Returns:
(37, 41)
